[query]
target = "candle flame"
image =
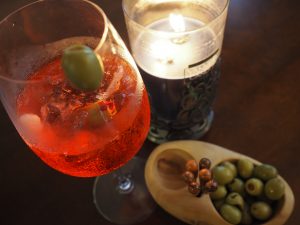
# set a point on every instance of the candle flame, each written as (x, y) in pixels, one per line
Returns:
(177, 22)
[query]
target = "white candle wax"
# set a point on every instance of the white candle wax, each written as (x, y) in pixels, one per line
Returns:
(168, 52)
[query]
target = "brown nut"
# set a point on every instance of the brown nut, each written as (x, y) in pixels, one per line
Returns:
(188, 177)
(191, 165)
(194, 188)
(205, 175)
(204, 163)
(211, 186)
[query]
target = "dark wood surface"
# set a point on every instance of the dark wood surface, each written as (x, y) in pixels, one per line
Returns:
(257, 112)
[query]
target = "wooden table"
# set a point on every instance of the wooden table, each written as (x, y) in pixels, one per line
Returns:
(256, 113)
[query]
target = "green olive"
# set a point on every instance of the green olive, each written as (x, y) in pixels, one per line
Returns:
(237, 185)
(222, 175)
(231, 214)
(265, 172)
(254, 187)
(82, 67)
(274, 189)
(230, 166)
(220, 193)
(235, 199)
(95, 117)
(245, 168)
(261, 210)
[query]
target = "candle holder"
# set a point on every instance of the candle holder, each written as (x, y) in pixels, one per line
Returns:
(177, 46)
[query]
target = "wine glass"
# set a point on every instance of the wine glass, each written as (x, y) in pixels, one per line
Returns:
(77, 132)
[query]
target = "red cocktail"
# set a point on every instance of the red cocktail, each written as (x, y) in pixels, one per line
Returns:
(85, 133)
(76, 129)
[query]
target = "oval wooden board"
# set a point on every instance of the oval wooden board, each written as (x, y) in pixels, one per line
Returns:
(163, 174)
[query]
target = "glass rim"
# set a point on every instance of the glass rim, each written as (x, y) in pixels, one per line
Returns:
(97, 48)
(170, 32)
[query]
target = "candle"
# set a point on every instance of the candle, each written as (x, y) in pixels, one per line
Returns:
(172, 51)
(177, 44)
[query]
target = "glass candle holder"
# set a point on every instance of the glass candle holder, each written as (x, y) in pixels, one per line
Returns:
(177, 46)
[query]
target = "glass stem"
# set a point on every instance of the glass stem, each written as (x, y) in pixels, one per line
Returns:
(125, 183)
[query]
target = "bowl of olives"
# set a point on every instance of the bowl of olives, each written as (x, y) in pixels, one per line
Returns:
(248, 192)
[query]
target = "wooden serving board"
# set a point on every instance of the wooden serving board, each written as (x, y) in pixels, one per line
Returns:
(163, 174)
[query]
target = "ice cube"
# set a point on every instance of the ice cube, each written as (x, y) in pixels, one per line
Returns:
(68, 107)
(114, 84)
(59, 104)
(31, 122)
(50, 113)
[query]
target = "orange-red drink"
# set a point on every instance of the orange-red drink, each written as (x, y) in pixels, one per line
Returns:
(80, 133)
